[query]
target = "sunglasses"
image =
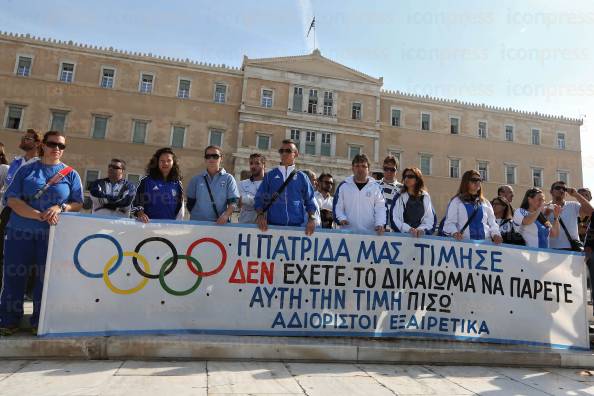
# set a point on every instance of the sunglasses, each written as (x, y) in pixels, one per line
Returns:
(28, 138)
(559, 188)
(55, 144)
(409, 176)
(476, 180)
(212, 156)
(327, 182)
(285, 151)
(115, 167)
(387, 169)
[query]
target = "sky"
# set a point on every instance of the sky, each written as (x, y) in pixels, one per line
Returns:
(533, 55)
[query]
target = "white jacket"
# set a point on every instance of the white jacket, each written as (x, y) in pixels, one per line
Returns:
(364, 209)
(398, 213)
(457, 216)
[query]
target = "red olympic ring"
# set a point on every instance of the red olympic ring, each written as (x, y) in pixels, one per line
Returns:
(214, 271)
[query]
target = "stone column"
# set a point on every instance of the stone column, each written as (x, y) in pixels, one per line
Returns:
(244, 92)
(240, 136)
(377, 112)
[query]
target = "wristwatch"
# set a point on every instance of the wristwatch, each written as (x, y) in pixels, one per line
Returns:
(63, 207)
(311, 216)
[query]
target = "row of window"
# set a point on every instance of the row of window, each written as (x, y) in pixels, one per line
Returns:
(425, 162)
(107, 77)
(93, 174)
(309, 142)
(510, 171)
(319, 143)
(482, 128)
(312, 104)
(100, 126)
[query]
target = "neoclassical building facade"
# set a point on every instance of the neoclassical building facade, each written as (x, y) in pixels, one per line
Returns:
(113, 103)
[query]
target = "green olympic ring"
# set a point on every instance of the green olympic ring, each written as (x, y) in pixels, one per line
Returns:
(183, 292)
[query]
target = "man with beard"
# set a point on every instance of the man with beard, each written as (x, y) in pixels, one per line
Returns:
(31, 145)
(249, 187)
(325, 199)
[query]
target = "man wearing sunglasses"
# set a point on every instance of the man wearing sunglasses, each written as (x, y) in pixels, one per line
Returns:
(31, 145)
(113, 195)
(212, 194)
(286, 194)
(324, 199)
(389, 185)
(570, 211)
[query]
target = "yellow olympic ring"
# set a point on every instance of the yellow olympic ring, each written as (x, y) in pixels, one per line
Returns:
(133, 290)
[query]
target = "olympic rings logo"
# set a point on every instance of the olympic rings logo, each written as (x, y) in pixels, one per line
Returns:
(143, 267)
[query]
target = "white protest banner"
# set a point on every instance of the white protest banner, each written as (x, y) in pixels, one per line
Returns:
(117, 276)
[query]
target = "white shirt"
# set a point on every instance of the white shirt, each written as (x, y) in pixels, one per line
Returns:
(364, 209)
(3, 172)
(569, 214)
(530, 232)
(286, 170)
(456, 217)
(324, 203)
(247, 192)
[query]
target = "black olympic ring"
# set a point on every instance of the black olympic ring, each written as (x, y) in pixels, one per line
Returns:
(155, 239)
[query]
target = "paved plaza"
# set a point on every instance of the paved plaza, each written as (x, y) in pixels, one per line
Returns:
(19, 377)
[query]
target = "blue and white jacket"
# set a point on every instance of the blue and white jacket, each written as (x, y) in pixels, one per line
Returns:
(482, 227)
(292, 206)
(364, 209)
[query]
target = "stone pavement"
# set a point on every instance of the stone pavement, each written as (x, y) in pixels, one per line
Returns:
(47, 378)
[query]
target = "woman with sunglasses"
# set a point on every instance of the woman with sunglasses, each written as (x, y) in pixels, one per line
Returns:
(39, 192)
(469, 214)
(159, 194)
(530, 218)
(413, 212)
(504, 214)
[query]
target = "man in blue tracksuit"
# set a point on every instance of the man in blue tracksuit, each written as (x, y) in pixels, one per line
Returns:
(288, 208)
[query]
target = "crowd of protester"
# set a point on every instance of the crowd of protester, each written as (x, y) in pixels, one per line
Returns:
(36, 187)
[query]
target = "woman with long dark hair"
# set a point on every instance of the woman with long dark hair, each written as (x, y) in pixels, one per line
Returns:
(38, 193)
(160, 195)
(530, 218)
(413, 211)
(469, 214)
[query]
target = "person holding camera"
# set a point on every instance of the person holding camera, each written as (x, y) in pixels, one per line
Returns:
(531, 221)
(568, 238)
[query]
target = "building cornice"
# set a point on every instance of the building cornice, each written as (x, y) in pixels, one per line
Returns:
(118, 53)
(316, 54)
(458, 104)
(209, 67)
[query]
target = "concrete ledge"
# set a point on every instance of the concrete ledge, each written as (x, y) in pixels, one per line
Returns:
(311, 349)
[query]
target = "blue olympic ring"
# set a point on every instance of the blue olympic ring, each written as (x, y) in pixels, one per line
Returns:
(98, 275)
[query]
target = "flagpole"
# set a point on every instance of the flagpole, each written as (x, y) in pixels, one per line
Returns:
(314, 28)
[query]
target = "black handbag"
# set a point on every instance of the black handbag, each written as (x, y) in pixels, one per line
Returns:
(576, 244)
(512, 237)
